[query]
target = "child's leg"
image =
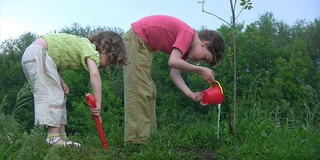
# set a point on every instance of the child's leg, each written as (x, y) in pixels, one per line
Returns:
(138, 91)
(54, 126)
(63, 121)
(53, 129)
(54, 138)
(62, 129)
(64, 137)
(42, 74)
(62, 132)
(35, 62)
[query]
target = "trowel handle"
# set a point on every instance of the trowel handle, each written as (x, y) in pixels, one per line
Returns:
(90, 100)
(92, 104)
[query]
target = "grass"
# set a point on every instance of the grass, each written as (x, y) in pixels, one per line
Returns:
(260, 134)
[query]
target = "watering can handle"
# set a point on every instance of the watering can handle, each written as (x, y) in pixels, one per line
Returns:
(218, 85)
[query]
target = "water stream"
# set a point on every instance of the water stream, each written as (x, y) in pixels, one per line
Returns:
(219, 106)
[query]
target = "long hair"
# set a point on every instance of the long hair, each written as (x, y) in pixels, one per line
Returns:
(111, 43)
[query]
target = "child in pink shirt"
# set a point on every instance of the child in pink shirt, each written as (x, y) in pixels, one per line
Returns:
(174, 37)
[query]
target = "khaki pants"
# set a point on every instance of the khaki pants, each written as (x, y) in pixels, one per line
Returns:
(44, 79)
(139, 91)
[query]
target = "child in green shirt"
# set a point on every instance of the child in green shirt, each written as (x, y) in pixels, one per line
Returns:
(47, 55)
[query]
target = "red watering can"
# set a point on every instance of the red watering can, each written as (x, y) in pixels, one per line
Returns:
(213, 95)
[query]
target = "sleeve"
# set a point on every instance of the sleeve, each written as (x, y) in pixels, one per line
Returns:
(183, 42)
(90, 52)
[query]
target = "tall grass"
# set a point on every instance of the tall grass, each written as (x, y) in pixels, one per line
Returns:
(11, 130)
(261, 135)
(182, 134)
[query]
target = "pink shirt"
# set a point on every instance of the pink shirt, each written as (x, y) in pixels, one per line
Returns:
(164, 33)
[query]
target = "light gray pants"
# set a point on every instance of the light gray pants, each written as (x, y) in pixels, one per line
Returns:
(44, 79)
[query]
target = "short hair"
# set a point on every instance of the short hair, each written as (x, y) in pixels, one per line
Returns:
(111, 43)
(216, 45)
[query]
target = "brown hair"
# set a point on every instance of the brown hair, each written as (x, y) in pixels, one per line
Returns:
(109, 42)
(217, 45)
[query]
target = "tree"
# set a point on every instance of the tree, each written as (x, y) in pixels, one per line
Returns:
(246, 4)
(12, 77)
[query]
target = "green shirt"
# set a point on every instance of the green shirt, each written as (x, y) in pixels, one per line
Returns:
(69, 51)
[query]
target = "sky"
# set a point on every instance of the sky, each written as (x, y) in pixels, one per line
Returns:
(43, 16)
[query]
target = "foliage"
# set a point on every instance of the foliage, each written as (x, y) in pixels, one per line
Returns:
(278, 90)
(261, 136)
(246, 4)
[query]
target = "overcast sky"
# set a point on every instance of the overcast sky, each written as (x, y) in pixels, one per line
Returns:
(43, 16)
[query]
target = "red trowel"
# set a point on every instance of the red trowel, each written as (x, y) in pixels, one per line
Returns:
(92, 104)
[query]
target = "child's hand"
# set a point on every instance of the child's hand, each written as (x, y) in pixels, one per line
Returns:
(204, 104)
(207, 75)
(95, 111)
(65, 88)
(100, 119)
(195, 96)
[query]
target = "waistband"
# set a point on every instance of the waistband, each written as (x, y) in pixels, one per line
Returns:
(39, 46)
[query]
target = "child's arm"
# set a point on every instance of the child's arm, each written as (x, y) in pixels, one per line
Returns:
(96, 85)
(176, 62)
(63, 85)
(179, 82)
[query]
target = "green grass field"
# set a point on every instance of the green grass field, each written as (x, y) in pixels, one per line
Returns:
(259, 135)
